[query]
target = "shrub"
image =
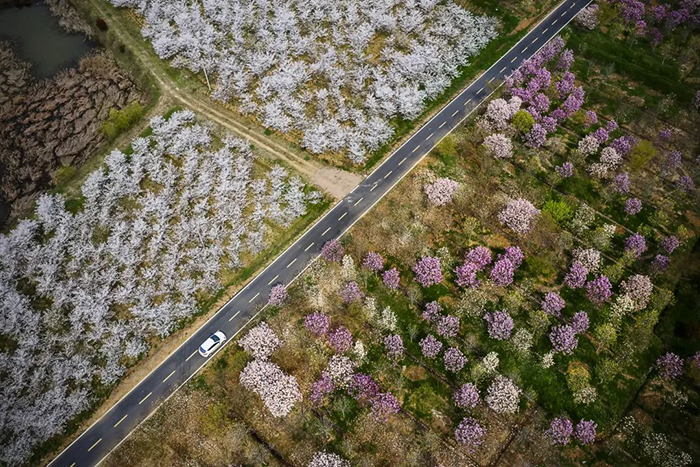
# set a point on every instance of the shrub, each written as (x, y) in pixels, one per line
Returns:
(120, 120)
(559, 211)
(63, 174)
(523, 121)
(577, 376)
(642, 153)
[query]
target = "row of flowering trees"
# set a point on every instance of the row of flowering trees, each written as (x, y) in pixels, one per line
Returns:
(279, 391)
(120, 266)
(294, 65)
(502, 395)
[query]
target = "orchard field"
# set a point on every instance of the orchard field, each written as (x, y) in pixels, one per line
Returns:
(95, 280)
(526, 296)
(343, 80)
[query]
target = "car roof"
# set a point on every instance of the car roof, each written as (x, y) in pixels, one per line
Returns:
(209, 343)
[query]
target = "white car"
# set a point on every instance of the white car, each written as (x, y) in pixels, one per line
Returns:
(210, 345)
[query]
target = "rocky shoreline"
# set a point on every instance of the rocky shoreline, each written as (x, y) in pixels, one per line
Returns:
(51, 123)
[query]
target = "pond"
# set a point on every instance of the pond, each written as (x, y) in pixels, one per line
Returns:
(39, 40)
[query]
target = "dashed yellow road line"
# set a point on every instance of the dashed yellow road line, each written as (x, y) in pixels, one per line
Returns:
(168, 377)
(273, 279)
(256, 296)
(93, 446)
(144, 399)
(310, 245)
(122, 419)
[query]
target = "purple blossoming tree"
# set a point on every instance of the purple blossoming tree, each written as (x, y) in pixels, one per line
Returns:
(363, 388)
(430, 346)
(332, 250)
(563, 339)
(466, 275)
(669, 365)
(580, 322)
(428, 271)
(470, 433)
(317, 323)
(373, 261)
(685, 183)
(278, 295)
(502, 272)
(669, 244)
(553, 304)
(515, 255)
(536, 137)
(391, 279)
(480, 256)
(636, 244)
(351, 292)
(384, 405)
(467, 396)
(432, 311)
(340, 339)
(586, 431)
(599, 290)
(576, 277)
(560, 431)
(621, 183)
(454, 360)
(565, 170)
(660, 263)
(448, 326)
(394, 346)
(633, 206)
(320, 388)
(499, 324)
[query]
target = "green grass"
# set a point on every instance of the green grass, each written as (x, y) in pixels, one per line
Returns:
(121, 120)
(639, 62)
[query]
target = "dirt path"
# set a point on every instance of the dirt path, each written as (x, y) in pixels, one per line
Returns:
(335, 181)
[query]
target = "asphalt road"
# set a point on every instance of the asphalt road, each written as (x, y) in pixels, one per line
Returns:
(110, 430)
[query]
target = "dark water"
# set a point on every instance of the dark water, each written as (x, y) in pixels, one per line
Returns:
(39, 40)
